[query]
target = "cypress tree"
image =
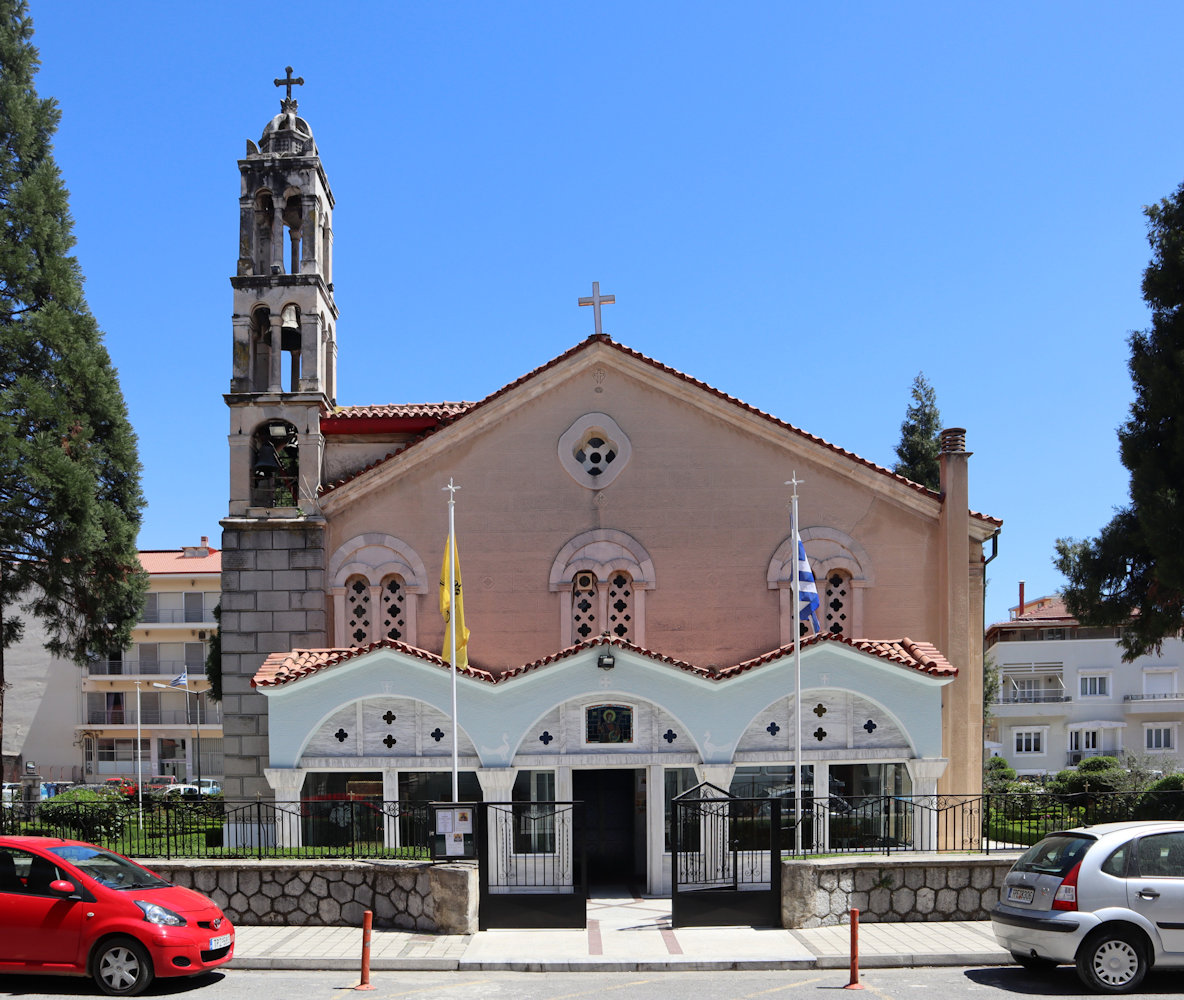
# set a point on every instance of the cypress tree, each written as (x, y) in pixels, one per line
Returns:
(70, 500)
(1132, 574)
(920, 437)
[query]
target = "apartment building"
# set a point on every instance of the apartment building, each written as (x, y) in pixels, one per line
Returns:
(156, 690)
(1065, 693)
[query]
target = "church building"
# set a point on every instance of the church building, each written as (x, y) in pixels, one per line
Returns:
(627, 563)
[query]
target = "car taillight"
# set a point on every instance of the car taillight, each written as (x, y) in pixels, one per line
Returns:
(1066, 895)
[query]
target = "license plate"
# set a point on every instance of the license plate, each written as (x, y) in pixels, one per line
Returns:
(222, 941)
(1019, 895)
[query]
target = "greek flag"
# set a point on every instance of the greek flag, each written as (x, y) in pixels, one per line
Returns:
(807, 590)
(182, 679)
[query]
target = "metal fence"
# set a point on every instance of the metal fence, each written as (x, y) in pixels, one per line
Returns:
(209, 827)
(213, 828)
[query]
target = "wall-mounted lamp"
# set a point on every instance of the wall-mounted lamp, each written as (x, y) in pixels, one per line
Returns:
(606, 661)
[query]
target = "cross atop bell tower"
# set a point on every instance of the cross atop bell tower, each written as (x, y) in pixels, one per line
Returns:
(287, 104)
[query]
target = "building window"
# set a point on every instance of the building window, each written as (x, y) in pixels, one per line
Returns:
(1095, 685)
(534, 812)
(394, 598)
(1029, 741)
(620, 605)
(584, 602)
(357, 602)
(1159, 737)
(834, 603)
(1083, 739)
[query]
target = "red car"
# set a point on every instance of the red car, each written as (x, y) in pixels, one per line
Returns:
(73, 909)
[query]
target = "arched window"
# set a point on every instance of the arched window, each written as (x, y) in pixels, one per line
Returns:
(293, 219)
(842, 572)
(393, 620)
(835, 591)
(601, 577)
(620, 605)
(357, 605)
(376, 580)
(264, 226)
(585, 603)
(275, 465)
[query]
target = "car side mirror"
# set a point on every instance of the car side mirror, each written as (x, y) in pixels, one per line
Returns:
(60, 887)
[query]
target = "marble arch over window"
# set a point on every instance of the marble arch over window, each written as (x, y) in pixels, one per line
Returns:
(376, 558)
(602, 552)
(830, 551)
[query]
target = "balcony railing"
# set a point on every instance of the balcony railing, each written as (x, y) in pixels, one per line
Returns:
(1077, 756)
(210, 715)
(178, 617)
(1153, 697)
(133, 668)
(1033, 698)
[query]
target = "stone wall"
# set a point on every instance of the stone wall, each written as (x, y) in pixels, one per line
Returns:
(410, 895)
(892, 889)
(273, 600)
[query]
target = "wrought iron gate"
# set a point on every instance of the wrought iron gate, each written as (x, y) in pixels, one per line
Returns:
(532, 870)
(726, 859)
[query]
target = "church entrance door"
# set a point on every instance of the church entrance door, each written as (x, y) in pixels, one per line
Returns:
(614, 825)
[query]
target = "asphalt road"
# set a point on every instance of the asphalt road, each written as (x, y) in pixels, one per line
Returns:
(949, 983)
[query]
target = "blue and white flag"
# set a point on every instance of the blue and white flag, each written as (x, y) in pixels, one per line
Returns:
(182, 679)
(807, 590)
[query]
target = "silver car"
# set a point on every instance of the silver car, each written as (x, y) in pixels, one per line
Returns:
(1108, 898)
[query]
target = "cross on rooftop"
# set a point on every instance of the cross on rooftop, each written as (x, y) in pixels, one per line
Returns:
(290, 82)
(596, 300)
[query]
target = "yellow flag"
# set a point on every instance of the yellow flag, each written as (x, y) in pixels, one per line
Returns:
(462, 634)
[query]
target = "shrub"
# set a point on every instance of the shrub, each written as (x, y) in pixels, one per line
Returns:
(85, 813)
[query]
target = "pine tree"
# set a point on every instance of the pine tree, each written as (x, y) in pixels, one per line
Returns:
(70, 498)
(920, 437)
(1132, 574)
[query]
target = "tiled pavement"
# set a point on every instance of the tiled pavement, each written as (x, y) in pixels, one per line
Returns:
(623, 934)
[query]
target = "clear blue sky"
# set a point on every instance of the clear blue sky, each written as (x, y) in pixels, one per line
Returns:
(802, 205)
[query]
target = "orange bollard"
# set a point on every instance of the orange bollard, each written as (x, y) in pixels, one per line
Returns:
(855, 984)
(367, 924)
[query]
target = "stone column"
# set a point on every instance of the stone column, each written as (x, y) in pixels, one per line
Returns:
(497, 785)
(390, 801)
(276, 351)
(287, 783)
(655, 829)
(719, 775)
(924, 772)
(277, 241)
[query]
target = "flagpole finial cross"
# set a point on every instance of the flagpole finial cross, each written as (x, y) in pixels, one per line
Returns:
(596, 300)
(451, 488)
(795, 482)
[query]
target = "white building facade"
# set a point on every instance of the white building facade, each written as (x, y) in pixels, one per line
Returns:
(1065, 693)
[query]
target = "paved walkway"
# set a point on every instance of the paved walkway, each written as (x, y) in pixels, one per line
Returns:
(623, 935)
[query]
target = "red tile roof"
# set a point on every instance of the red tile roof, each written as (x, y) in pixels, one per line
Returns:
(284, 668)
(459, 414)
(161, 561)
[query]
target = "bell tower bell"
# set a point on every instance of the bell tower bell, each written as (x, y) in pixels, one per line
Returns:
(285, 319)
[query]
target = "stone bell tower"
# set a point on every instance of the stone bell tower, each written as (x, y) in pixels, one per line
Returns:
(285, 320)
(283, 377)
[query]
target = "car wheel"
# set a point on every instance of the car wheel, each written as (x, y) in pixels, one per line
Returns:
(1112, 962)
(122, 968)
(1033, 963)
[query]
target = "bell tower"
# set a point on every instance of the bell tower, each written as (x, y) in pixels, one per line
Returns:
(283, 377)
(285, 319)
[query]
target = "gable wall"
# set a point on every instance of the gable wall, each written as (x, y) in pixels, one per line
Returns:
(704, 496)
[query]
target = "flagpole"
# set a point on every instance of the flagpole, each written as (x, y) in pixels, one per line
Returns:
(451, 556)
(139, 758)
(797, 672)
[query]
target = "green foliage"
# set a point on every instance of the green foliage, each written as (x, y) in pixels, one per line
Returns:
(214, 659)
(1164, 799)
(1095, 775)
(920, 437)
(70, 498)
(998, 776)
(1132, 574)
(85, 814)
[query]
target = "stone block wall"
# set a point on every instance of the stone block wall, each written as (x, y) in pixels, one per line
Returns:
(892, 889)
(273, 600)
(408, 895)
